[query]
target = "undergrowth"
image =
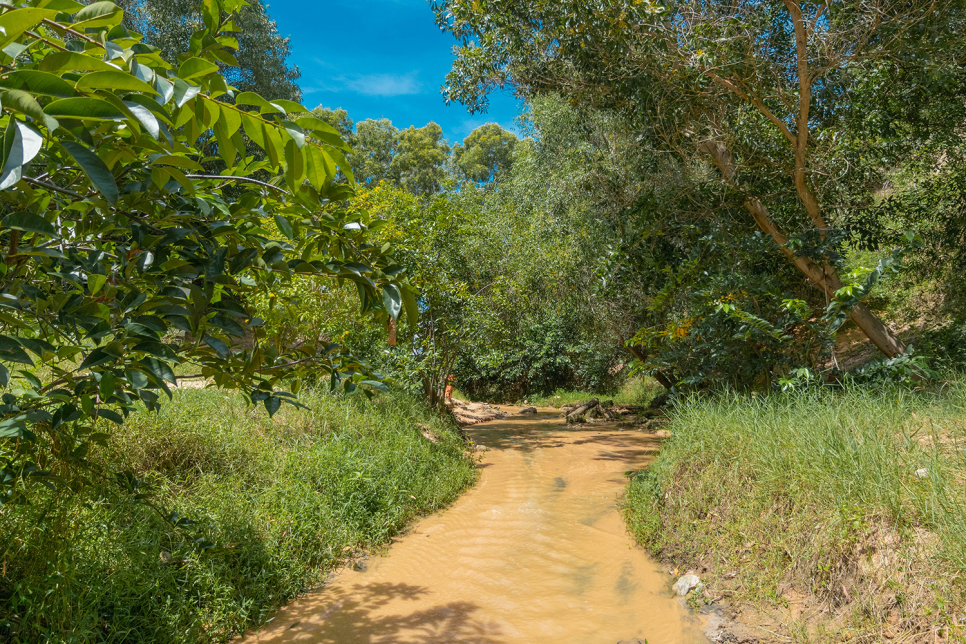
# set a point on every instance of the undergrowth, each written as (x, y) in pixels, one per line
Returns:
(241, 513)
(636, 391)
(848, 504)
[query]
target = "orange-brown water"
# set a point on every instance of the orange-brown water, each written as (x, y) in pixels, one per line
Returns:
(536, 552)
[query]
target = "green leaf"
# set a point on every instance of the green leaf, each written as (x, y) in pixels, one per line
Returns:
(97, 357)
(110, 415)
(114, 80)
(21, 144)
(295, 164)
(15, 22)
(183, 92)
(29, 222)
(96, 282)
(159, 368)
(341, 161)
(290, 107)
(179, 162)
(24, 103)
(146, 118)
(88, 109)
(62, 6)
(251, 98)
(195, 67)
(220, 347)
(106, 387)
(375, 384)
(412, 310)
(98, 172)
(38, 82)
(318, 169)
(272, 405)
(392, 300)
(284, 226)
(4, 376)
(72, 60)
(12, 428)
(98, 14)
(11, 351)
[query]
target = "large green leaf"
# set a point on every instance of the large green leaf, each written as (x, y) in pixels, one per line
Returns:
(29, 222)
(145, 117)
(392, 300)
(90, 109)
(21, 144)
(412, 309)
(98, 172)
(71, 60)
(184, 92)
(265, 107)
(196, 67)
(98, 14)
(114, 80)
(15, 22)
(318, 169)
(62, 6)
(38, 82)
(24, 103)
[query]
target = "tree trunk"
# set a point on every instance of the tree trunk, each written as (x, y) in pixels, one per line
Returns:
(666, 380)
(583, 408)
(825, 277)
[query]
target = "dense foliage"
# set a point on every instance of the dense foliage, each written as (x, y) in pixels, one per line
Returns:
(124, 260)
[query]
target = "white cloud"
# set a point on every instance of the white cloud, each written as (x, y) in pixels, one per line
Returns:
(384, 84)
(368, 84)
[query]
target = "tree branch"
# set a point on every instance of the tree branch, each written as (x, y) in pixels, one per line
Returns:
(239, 179)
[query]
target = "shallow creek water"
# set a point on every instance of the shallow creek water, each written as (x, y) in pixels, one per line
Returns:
(536, 552)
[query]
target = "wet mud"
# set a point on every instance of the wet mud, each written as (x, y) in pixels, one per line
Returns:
(537, 552)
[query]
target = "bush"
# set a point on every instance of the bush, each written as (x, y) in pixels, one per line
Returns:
(242, 514)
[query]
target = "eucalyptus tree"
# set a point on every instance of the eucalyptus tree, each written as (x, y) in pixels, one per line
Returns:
(122, 260)
(763, 92)
(419, 162)
(257, 65)
(485, 154)
(373, 147)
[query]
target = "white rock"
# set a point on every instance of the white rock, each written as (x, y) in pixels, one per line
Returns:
(922, 473)
(684, 585)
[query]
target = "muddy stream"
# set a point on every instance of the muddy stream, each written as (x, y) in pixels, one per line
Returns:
(536, 552)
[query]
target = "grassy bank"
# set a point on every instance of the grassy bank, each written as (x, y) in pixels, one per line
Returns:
(841, 514)
(266, 509)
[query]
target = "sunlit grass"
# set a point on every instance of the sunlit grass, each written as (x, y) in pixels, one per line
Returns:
(273, 505)
(802, 489)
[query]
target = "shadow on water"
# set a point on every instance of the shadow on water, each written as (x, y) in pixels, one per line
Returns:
(530, 433)
(355, 616)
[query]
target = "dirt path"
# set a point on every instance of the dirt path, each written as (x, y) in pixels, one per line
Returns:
(537, 552)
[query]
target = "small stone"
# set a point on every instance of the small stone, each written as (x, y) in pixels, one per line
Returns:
(922, 473)
(528, 410)
(684, 585)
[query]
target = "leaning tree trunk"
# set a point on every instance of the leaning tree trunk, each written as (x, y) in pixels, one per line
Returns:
(824, 276)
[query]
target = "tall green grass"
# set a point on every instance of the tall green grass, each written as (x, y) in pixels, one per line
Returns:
(267, 507)
(803, 490)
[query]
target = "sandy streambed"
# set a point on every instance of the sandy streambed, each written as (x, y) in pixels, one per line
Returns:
(536, 552)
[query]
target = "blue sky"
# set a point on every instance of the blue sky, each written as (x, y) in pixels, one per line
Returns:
(379, 59)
